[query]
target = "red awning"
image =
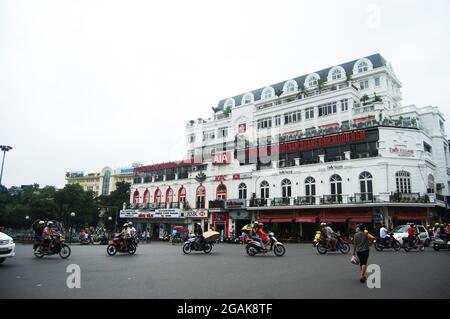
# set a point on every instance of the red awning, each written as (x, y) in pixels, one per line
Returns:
(333, 220)
(361, 220)
(276, 220)
(305, 219)
(411, 217)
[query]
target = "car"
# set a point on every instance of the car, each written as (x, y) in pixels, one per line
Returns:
(402, 231)
(7, 247)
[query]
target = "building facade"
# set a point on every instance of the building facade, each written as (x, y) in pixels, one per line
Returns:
(336, 145)
(104, 182)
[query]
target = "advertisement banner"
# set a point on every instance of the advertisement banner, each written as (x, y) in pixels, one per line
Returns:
(235, 204)
(200, 213)
(222, 158)
(166, 213)
(129, 213)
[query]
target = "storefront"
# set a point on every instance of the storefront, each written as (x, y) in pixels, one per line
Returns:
(199, 216)
(238, 216)
(220, 223)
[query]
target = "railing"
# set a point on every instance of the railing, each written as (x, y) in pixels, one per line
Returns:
(281, 201)
(216, 204)
(334, 199)
(408, 198)
(361, 198)
(305, 200)
(440, 197)
(258, 202)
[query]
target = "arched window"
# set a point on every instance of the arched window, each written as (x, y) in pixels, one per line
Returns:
(157, 196)
(362, 65)
(290, 86)
(312, 80)
(365, 185)
(337, 74)
(136, 197)
(229, 103)
(247, 98)
(200, 197)
(146, 196)
(264, 187)
(286, 188)
(403, 181)
(430, 188)
(310, 190)
(336, 188)
(242, 191)
(182, 195)
(169, 196)
(267, 93)
(221, 192)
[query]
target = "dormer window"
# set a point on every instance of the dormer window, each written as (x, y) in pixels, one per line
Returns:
(267, 93)
(312, 82)
(362, 67)
(229, 103)
(290, 86)
(247, 99)
(336, 75)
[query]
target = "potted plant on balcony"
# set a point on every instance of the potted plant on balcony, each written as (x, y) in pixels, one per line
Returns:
(414, 121)
(227, 111)
(320, 84)
(302, 91)
(377, 98)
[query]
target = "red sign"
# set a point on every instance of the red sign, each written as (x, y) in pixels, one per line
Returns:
(220, 178)
(222, 158)
(236, 176)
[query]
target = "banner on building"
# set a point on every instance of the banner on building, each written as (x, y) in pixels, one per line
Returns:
(199, 213)
(129, 213)
(235, 204)
(166, 213)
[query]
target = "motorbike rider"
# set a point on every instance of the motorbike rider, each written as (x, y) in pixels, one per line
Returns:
(386, 239)
(132, 229)
(198, 232)
(47, 234)
(39, 230)
(254, 233)
(262, 235)
(125, 234)
(331, 235)
(412, 235)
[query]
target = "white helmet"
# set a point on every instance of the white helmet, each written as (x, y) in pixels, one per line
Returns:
(323, 224)
(50, 223)
(125, 225)
(41, 222)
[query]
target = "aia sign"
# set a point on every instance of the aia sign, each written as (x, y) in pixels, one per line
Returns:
(222, 158)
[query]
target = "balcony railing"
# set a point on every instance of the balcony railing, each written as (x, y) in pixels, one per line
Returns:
(334, 199)
(216, 204)
(408, 198)
(258, 202)
(305, 200)
(281, 201)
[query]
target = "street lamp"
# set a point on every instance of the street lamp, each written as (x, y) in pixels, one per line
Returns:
(4, 149)
(72, 214)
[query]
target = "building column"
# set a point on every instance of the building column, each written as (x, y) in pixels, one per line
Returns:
(322, 158)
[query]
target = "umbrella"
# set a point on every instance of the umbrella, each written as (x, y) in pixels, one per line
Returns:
(247, 227)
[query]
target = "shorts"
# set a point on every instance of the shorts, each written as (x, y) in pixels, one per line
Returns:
(363, 256)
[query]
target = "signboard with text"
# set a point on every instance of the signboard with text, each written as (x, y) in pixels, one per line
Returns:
(166, 213)
(222, 158)
(235, 204)
(200, 213)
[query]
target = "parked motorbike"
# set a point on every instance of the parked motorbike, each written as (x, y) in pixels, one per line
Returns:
(440, 243)
(104, 240)
(117, 245)
(408, 246)
(380, 244)
(86, 240)
(341, 245)
(192, 244)
(254, 247)
(57, 246)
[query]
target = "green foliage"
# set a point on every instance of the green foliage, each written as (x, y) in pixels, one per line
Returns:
(227, 111)
(49, 203)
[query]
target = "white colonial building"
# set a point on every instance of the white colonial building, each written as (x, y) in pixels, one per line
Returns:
(334, 145)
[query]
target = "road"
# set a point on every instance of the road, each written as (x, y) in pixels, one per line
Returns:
(160, 270)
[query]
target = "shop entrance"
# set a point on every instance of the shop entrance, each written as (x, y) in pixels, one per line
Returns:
(220, 227)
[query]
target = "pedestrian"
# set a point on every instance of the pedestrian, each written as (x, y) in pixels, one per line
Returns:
(361, 243)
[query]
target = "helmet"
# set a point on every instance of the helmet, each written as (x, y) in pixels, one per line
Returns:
(130, 224)
(260, 224)
(323, 224)
(125, 225)
(50, 223)
(41, 222)
(437, 224)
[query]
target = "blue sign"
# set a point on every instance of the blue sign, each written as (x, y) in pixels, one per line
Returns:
(377, 218)
(126, 170)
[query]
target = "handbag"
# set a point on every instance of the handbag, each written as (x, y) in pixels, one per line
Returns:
(354, 260)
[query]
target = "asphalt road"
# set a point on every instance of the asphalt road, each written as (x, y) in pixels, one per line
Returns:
(160, 270)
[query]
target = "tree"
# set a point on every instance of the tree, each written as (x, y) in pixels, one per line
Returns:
(320, 84)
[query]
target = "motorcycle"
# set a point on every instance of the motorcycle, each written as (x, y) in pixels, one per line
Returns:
(439, 243)
(86, 240)
(380, 244)
(408, 246)
(116, 245)
(104, 240)
(254, 247)
(192, 244)
(341, 245)
(57, 247)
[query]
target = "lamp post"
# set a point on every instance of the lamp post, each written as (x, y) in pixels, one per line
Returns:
(72, 214)
(4, 149)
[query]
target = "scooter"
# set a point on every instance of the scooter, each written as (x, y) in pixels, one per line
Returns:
(57, 247)
(407, 246)
(380, 244)
(341, 245)
(254, 247)
(86, 240)
(192, 244)
(439, 243)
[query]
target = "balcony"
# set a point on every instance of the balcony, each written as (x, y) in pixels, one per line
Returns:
(281, 201)
(362, 198)
(334, 199)
(305, 200)
(408, 198)
(216, 204)
(258, 202)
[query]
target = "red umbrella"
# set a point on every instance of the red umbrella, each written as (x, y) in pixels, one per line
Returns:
(178, 227)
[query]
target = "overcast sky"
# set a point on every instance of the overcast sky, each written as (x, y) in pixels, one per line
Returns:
(89, 84)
